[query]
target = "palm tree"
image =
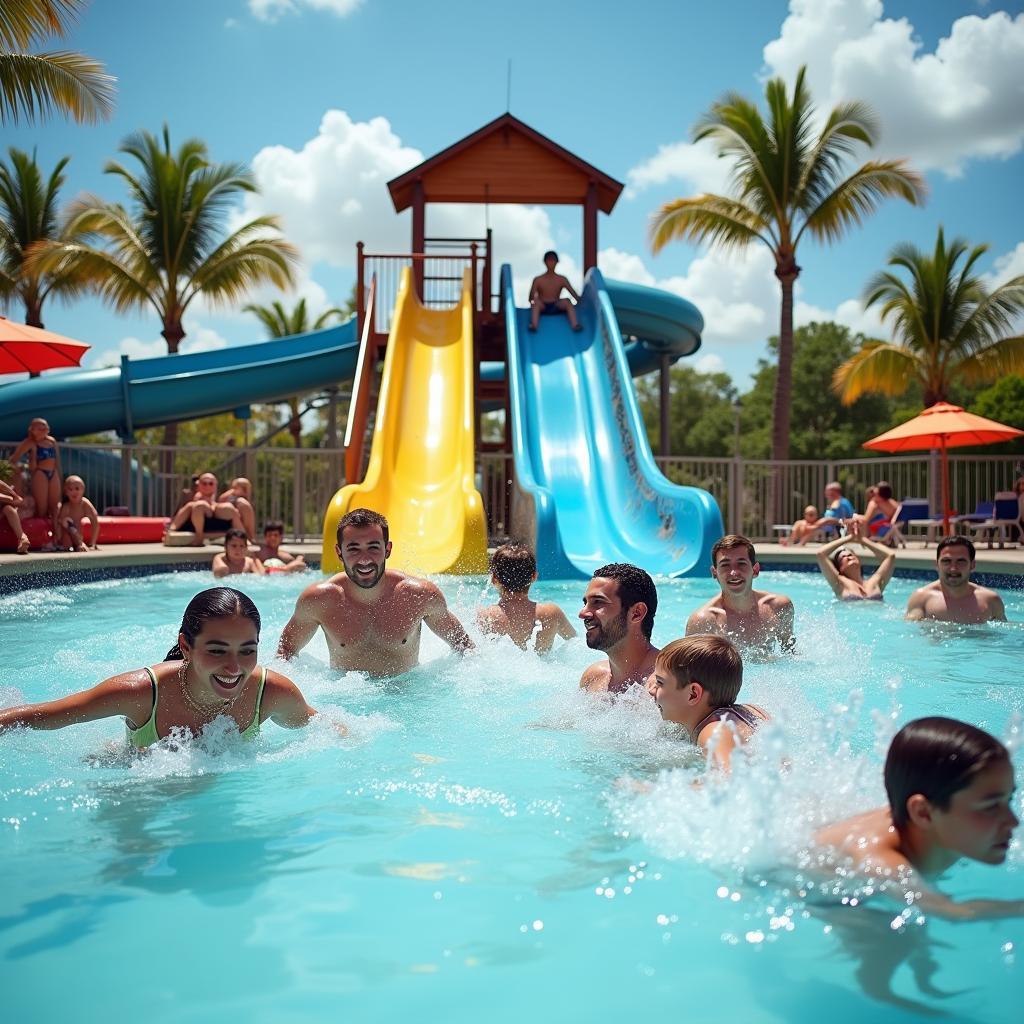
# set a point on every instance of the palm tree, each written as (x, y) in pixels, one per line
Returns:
(787, 181)
(169, 249)
(280, 323)
(28, 217)
(946, 326)
(34, 84)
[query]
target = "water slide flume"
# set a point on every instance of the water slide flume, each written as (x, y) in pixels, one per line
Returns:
(422, 458)
(587, 489)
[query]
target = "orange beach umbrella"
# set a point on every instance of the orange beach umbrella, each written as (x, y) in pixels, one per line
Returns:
(25, 349)
(943, 426)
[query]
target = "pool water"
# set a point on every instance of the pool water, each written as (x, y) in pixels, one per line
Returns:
(478, 848)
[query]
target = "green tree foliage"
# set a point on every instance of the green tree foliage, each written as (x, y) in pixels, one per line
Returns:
(787, 181)
(701, 413)
(37, 84)
(1004, 402)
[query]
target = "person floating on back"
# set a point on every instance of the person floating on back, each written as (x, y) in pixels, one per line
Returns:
(513, 571)
(618, 615)
(372, 616)
(235, 558)
(753, 618)
(696, 683)
(953, 597)
(546, 295)
(950, 787)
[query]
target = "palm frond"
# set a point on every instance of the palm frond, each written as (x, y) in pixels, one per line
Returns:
(25, 22)
(39, 84)
(998, 359)
(709, 218)
(878, 368)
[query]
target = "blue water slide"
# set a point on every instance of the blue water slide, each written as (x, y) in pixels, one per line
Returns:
(167, 389)
(587, 490)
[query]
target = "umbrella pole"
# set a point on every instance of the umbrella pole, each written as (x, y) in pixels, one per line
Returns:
(945, 485)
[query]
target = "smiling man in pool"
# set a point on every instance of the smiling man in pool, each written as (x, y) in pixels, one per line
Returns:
(752, 618)
(618, 616)
(953, 597)
(372, 616)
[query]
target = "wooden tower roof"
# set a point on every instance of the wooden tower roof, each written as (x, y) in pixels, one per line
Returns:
(505, 161)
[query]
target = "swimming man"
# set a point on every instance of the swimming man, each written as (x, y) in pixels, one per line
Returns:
(752, 618)
(618, 616)
(953, 597)
(372, 616)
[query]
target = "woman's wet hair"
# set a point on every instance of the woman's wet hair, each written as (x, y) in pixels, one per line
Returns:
(215, 603)
(936, 757)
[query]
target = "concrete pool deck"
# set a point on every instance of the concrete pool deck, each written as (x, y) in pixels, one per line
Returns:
(39, 568)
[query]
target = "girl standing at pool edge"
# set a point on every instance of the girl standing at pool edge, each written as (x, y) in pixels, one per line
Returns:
(210, 672)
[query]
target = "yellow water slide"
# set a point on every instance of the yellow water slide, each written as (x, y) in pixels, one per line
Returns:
(422, 459)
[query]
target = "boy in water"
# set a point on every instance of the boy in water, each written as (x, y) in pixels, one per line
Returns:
(513, 571)
(546, 295)
(273, 556)
(950, 787)
(75, 507)
(696, 682)
(235, 558)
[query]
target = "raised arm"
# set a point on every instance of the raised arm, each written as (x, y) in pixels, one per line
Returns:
(302, 626)
(828, 570)
(886, 556)
(129, 694)
(444, 624)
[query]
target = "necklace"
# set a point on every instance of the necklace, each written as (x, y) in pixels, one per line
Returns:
(202, 710)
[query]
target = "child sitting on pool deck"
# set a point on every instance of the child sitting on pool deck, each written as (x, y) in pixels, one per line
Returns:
(239, 494)
(235, 558)
(949, 786)
(75, 507)
(513, 571)
(696, 682)
(803, 529)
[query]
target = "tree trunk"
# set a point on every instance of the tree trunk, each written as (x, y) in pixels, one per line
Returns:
(173, 335)
(787, 271)
(34, 314)
(295, 425)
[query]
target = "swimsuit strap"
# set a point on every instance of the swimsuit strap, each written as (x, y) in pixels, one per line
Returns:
(253, 727)
(145, 735)
(746, 713)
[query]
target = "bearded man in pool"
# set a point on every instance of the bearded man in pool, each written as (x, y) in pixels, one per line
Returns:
(953, 597)
(618, 616)
(372, 616)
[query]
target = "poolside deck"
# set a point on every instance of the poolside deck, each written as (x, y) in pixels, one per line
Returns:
(136, 558)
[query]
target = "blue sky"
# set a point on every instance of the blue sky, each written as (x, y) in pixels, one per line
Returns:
(327, 99)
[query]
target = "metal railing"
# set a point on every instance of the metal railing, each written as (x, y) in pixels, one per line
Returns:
(293, 485)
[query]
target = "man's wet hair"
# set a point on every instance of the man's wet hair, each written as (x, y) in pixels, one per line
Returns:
(514, 567)
(936, 757)
(273, 526)
(730, 541)
(884, 489)
(361, 517)
(635, 585)
(235, 534)
(956, 540)
(713, 661)
(551, 255)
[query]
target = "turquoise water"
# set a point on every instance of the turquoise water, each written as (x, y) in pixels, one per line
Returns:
(476, 849)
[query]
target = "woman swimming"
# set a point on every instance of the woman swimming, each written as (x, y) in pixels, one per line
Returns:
(210, 672)
(842, 568)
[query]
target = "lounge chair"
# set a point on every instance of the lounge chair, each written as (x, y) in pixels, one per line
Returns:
(915, 512)
(1006, 512)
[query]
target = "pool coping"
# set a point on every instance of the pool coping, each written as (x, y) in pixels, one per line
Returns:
(995, 568)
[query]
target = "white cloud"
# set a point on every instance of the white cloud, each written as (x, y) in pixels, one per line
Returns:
(1007, 266)
(271, 10)
(710, 363)
(961, 101)
(199, 339)
(939, 109)
(850, 312)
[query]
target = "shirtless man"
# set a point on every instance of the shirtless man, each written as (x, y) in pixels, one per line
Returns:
(618, 616)
(372, 616)
(513, 570)
(546, 292)
(752, 618)
(953, 597)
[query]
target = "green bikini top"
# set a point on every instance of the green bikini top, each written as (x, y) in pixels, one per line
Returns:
(146, 735)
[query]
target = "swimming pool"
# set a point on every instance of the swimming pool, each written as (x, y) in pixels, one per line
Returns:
(473, 852)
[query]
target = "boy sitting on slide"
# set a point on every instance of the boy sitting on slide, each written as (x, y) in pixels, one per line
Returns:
(546, 295)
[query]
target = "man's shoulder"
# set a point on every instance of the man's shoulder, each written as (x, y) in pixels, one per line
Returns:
(325, 590)
(596, 674)
(773, 600)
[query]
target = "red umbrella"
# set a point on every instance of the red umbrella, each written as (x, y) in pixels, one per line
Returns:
(25, 349)
(943, 426)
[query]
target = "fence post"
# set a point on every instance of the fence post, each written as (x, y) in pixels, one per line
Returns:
(298, 496)
(740, 494)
